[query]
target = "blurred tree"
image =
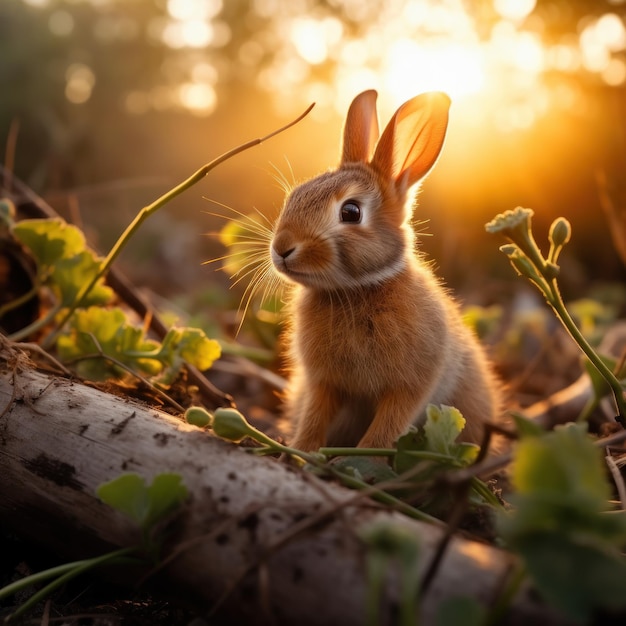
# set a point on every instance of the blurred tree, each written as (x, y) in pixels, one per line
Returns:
(96, 91)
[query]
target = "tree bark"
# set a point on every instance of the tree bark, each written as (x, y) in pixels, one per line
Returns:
(238, 531)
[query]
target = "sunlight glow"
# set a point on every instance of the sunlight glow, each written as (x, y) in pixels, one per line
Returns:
(190, 33)
(444, 66)
(313, 39)
(598, 41)
(515, 10)
(199, 98)
(404, 47)
(193, 9)
(79, 83)
(61, 23)
(303, 50)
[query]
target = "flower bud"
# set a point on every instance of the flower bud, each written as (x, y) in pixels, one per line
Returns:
(197, 416)
(230, 424)
(560, 232)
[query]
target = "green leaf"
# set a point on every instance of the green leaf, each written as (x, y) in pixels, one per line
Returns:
(129, 494)
(461, 610)
(63, 260)
(561, 526)
(368, 469)
(576, 574)
(443, 425)
(234, 232)
(50, 239)
(164, 494)
(69, 275)
(431, 450)
(526, 427)
(392, 540)
(187, 345)
(115, 336)
(564, 461)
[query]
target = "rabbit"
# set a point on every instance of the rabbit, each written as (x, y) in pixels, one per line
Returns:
(373, 337)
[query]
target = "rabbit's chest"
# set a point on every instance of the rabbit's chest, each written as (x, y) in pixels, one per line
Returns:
(359, 347)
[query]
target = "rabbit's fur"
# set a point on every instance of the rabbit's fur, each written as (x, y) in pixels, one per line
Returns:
(373, 336)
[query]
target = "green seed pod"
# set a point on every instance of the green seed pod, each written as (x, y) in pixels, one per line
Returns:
(560, 232)
(230, 424)
(197, 416)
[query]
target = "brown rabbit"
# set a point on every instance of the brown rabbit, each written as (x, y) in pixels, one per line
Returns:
(373, 336)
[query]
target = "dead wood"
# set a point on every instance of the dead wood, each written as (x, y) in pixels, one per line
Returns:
(275, 542)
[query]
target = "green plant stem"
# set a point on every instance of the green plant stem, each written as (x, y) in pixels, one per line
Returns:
(39, 577)
(505, 598)
(349, 481)
(25, 297)
(556, 302)
(376, 568)
(358, 452)
(69, 571)
(258, 355)
(36, 325)
(385, 498)
(147, 211)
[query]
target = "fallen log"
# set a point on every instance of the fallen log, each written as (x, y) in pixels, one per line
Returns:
(273, 542)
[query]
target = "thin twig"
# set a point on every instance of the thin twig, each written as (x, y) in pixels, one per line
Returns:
(148, 210)
(100, 354)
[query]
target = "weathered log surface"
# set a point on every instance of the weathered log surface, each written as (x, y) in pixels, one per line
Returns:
(59, 440)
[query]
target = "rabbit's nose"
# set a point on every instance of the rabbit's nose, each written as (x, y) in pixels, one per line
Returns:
(284, 245)
(285, 253)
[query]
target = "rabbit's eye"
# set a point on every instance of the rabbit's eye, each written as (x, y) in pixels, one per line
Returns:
(350, 212)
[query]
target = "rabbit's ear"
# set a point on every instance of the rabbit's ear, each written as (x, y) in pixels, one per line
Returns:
(360, 133)
(411, 142)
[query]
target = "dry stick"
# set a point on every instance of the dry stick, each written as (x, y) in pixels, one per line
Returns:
(148, 210)
(46, 356)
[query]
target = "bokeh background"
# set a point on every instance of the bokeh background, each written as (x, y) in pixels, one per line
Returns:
(105, 104)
